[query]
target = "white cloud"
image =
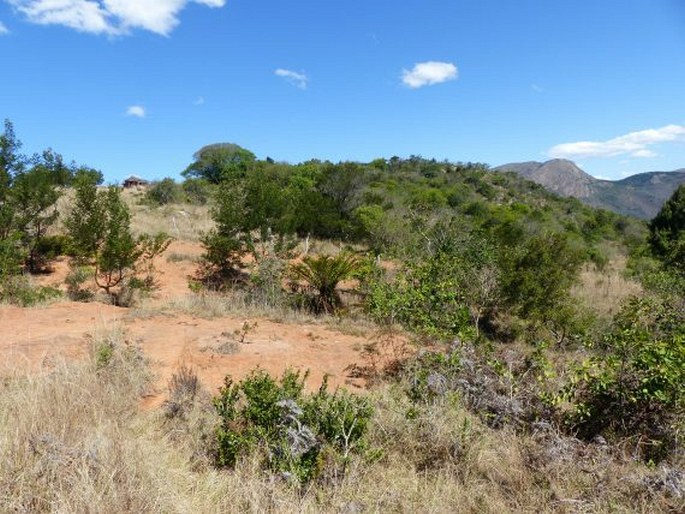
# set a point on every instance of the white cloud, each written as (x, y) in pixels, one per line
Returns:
(113, 17)
(296, 79)
(3, 30)
(137, 111)
(634, 144)
(429, 73)
(200, 100)
(644, 153)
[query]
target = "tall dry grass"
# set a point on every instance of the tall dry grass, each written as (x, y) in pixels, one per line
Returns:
(184, 222)
(74, 440)
(605, 290)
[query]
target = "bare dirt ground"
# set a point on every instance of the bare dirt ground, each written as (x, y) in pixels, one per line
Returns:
(33, 338)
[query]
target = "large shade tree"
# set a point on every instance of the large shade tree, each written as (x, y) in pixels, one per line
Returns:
(216, 162)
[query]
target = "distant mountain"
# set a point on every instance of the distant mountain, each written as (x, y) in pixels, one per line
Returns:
(640, 195)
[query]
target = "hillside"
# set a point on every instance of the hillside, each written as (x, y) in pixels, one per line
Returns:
(640, 195)
(430, 322)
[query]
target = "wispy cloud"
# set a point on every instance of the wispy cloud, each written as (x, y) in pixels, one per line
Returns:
(137, 111)
(3, 30)
(200, 100)
(112, 17)
(429, 73)
(537, 88)
(633, 144)
(296, 79)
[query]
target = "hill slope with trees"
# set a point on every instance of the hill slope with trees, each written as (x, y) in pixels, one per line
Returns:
(488, 346)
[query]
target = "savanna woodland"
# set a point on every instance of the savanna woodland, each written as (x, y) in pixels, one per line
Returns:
(518, 351)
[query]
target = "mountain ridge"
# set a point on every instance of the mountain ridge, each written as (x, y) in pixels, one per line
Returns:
(640, 195)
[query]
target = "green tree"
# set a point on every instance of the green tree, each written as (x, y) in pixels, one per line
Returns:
(216, 162)
(34, 195)
(118, 251)
(226, 243)
(667, 231)
(29, 190)
(539, 274)
(536, 280)
(11, 163)
(342, 183)
(85, 222)
(197, 191)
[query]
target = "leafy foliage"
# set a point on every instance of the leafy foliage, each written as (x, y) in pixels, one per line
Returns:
(216, 162)
(85, 222)
(667, 231)
(536, 280)
(150, 247)
(118, 251)
(226, 243)
(29, 190)
(634, 386)
(445, 291)
(164, 192)
(322, 274)
(292, 430)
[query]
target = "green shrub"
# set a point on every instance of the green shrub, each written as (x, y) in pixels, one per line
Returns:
(634, 386)
(322, 275)
(292, 431)
(151, 247)
(18, 290)
(85, 222)
(426, 297)
(667, 231)
(118, 251)
(77, 276)
(164, 192)
(49, 247)
(197, 191)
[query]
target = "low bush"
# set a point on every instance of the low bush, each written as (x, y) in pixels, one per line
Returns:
(164, 192)
(78, 275)
(299, 436)
(322, 274)
(633, 387)
(17, 290)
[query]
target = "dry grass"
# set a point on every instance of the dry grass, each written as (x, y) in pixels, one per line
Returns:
(604, 291)
(68, 440)
(74, 440)
(183, 222)
(233, 303)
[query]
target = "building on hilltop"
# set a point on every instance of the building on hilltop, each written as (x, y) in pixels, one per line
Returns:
(134, 181)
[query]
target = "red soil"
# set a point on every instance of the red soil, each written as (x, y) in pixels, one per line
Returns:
(33, 338)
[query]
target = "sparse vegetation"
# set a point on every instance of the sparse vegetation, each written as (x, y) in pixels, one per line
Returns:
(506, 381)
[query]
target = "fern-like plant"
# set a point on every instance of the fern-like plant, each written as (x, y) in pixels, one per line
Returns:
(322, 275)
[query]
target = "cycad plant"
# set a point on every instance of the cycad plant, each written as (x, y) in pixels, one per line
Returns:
(322, 275)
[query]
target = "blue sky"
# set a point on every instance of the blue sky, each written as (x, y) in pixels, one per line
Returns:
(137, 86)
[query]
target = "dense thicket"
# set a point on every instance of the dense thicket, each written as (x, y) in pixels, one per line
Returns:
(472, 242)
